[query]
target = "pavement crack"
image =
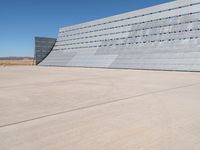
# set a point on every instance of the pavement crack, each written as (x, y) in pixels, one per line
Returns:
(99, 104)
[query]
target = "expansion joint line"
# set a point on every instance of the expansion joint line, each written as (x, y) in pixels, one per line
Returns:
(100, 104)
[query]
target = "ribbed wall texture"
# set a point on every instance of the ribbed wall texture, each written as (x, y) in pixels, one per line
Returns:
(43, 47)
(163, 37)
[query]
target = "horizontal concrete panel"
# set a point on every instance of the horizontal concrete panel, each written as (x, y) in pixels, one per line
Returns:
(163, 37)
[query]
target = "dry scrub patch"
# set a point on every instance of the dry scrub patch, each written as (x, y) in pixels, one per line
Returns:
(17, 62)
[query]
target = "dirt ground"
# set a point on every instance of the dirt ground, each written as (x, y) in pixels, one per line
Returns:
(16, 62)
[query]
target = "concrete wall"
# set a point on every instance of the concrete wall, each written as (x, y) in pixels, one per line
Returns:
(43, 47)
(163, 37)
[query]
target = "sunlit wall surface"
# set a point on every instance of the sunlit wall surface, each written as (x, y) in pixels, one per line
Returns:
(162, 37)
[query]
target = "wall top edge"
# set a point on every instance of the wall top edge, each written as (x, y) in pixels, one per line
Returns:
(136, 12)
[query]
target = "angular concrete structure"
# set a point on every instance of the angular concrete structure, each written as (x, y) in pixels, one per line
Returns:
(162, 37)
(43, 46)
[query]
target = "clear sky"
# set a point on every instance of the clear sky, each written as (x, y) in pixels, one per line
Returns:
(22, 20)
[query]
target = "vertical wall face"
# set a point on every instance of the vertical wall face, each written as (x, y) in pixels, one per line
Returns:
(163, 37)
(43, 47)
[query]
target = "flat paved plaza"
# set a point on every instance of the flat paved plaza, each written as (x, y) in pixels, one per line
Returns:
(52, 108)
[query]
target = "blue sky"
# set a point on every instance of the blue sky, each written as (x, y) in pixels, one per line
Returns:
(22, 20)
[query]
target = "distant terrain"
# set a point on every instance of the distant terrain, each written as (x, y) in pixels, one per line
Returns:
(10, 61)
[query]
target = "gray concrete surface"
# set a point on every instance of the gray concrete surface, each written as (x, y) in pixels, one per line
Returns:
(45, 108)
(161, 37)
(43, 46)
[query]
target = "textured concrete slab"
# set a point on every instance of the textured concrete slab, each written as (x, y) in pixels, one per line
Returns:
(162, 37)
(52, 108)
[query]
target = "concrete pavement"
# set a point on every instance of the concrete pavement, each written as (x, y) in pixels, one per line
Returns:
(49, 108)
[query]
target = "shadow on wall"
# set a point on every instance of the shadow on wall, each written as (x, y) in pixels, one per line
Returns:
(43, 46)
